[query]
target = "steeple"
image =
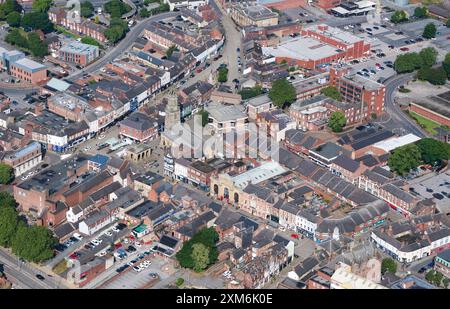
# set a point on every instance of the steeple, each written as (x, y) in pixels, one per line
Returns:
(172, 111)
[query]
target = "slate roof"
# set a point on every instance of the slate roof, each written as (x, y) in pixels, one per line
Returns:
(347, 163)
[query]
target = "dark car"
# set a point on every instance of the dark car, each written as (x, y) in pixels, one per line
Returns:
(131, 249)
(419, 40)
(40, 277)
(153, 275)
(121, 226)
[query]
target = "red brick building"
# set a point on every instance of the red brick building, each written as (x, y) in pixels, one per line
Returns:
(359, 90)
(28, 70)
(327, 4)
(138, 127)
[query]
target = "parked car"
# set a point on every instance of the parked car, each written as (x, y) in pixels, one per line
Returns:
(40, 277)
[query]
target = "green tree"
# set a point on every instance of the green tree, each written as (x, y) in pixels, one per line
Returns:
(448, 22)
(7, 200)
(445, 282)
(432, 150)
(420, 12)
(206, 236)
(86, 9)
(405, 158)
(8, 225)
(13, 19)
(144, 13)
(332, 92)
(249, 93)
(6, 173)
(171, 50)
(428, 56)
(90, 41)
(388, 265)
(117, 8)
(9, 6)
(407, 63)
(337, 121)
(33, 243)
(42, 5)
(438, 279)
(15, 37)
(205, 116)
(446, 64)
(37, 47)
(37, 20)
(200, 256)
(430, 276)
(223, 75)
(399, 16)
(179, 282)
(434, 76)
(282, 93)
(429, 31)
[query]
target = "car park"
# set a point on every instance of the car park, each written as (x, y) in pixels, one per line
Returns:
(137, 269)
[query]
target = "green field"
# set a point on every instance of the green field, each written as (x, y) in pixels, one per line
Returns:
(425, 123)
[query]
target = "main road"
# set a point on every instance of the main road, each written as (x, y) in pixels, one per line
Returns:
(397, 117)
(123, 45)
(23, 274)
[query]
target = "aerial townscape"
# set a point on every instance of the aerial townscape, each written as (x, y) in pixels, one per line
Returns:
(224, 144)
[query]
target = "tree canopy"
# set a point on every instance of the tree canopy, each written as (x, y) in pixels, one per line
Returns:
(420, 12)
(249, 93)
(90, 41)
(332, 92)
(144, 13)
(446, 64)
(282, 93)
(6, 173)
(429, 31)
(37, 20)
(86, 9)
(337, 121)
(13, 19)
(399, 16)
(6, 200)
(205, 116)
(8, 225)
(9, 6)
(388, 265)
(117, 30)
(30, 41)
(223, 75)
(200, 256)
(409, 62)
(405, 158)
(428, 56)
(208, 238)
(436, 76)
(117, 8)
(33, 243)
(432, 150)
(42, 5)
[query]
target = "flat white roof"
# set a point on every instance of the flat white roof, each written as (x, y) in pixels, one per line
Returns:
(29, 64)
(393, 143)
(258, 174)
(340, 10)
(336, 33)
(302, 48)
(348, 280)
(365, 4)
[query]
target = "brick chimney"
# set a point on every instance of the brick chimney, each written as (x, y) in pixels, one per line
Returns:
(38, 108)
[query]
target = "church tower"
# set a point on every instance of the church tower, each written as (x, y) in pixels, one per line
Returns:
(172, 112)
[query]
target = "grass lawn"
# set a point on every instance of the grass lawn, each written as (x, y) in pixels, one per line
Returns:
(60, 267)
(66, 32)
(425, 123)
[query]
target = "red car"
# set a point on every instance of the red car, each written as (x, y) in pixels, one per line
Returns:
(404, 49)
(294, 236)
(117, 246)
(198, 70)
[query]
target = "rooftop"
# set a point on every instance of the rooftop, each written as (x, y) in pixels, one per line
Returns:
(258, 174)
(302, 48)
